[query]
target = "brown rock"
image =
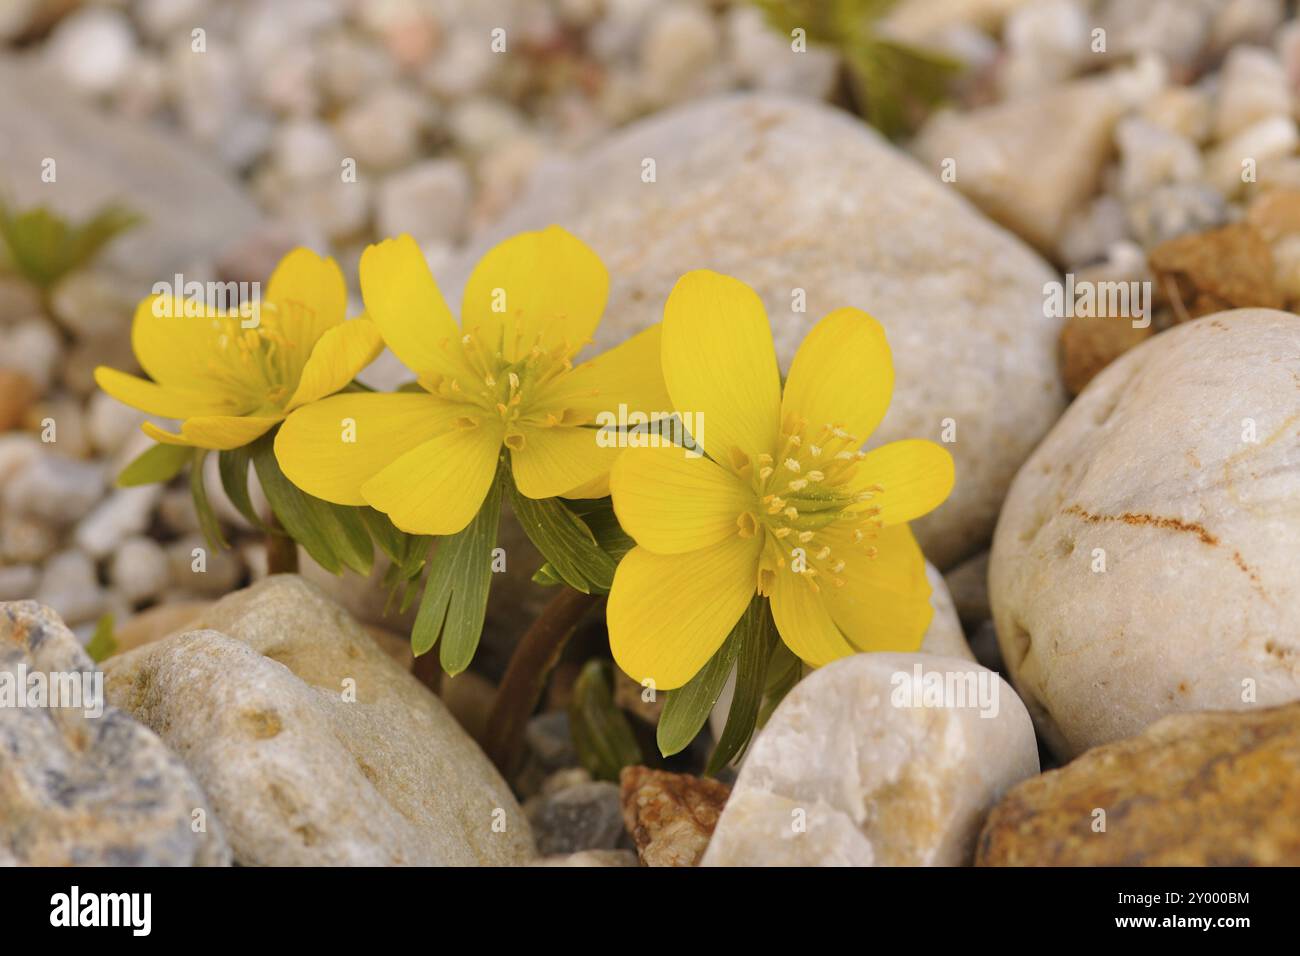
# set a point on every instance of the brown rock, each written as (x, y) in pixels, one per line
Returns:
(1089, 344)
(1204, 789)
(1208, 272)
(1275, 214)
(670, 815)
(17, 392)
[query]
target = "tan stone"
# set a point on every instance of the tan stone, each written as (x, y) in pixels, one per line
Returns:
(862, 765)
(316, 747)
(670, 815)
(1207, 789)
(1029, 163)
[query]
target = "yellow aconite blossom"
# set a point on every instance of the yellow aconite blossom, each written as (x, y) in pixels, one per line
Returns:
(230, 384)
(786, 505)
(504, 378)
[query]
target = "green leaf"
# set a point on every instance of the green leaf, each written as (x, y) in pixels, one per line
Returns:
(384, 533)
(565, 541)
(198, 491)
(756, 635)
(159, 464)
(102, 645)
(598, 515)
(783, 672)
(893, 83)
(44, 247)
(547, 576)
(233, 465)
(687, 708)
(455, 596)
(601, 733)
(333, 535)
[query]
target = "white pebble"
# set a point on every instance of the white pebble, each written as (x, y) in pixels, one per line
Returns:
(18, 582)
(480, 123)
(123, 513)
(111, 424)
(68, 584)
(383, 129)
(56, 488)
(92, 49)
(1252, 88)
(32, 347)
(199, 569)
(25, 539)
(1256, 146)
(1151, 156)
(680, 45)
(305, 150)
(140, 569)
(430, 200)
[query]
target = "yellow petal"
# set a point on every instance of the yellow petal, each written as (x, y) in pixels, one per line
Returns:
(718, 361)
(152, 398)
(884, 604)
(598, 487)
(544, 289)
(216, 432)
(313, 449)
(404, 302)
(916, 476)
(668, 614)
(176, 349)
(309, 295)
(438, 487)
(341, 353)
(670, 503)
(803, 621)
(558, 460)
(628, 374)
(842, 375)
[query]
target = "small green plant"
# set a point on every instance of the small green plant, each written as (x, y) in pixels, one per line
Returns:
(43, 246)
(891, 83)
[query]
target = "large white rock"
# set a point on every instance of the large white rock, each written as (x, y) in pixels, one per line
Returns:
(1179, 468)
(849, 773)
(316, 747)
(787, 195)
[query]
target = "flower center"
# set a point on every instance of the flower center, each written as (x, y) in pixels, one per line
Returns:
(515, 390)
(815, 514)
(260, 365)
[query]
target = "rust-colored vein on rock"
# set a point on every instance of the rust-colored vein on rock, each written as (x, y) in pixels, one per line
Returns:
(1147, 520)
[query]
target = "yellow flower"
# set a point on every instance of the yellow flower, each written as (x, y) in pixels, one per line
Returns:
(230, 384)
(785, 505)
(503, 378)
